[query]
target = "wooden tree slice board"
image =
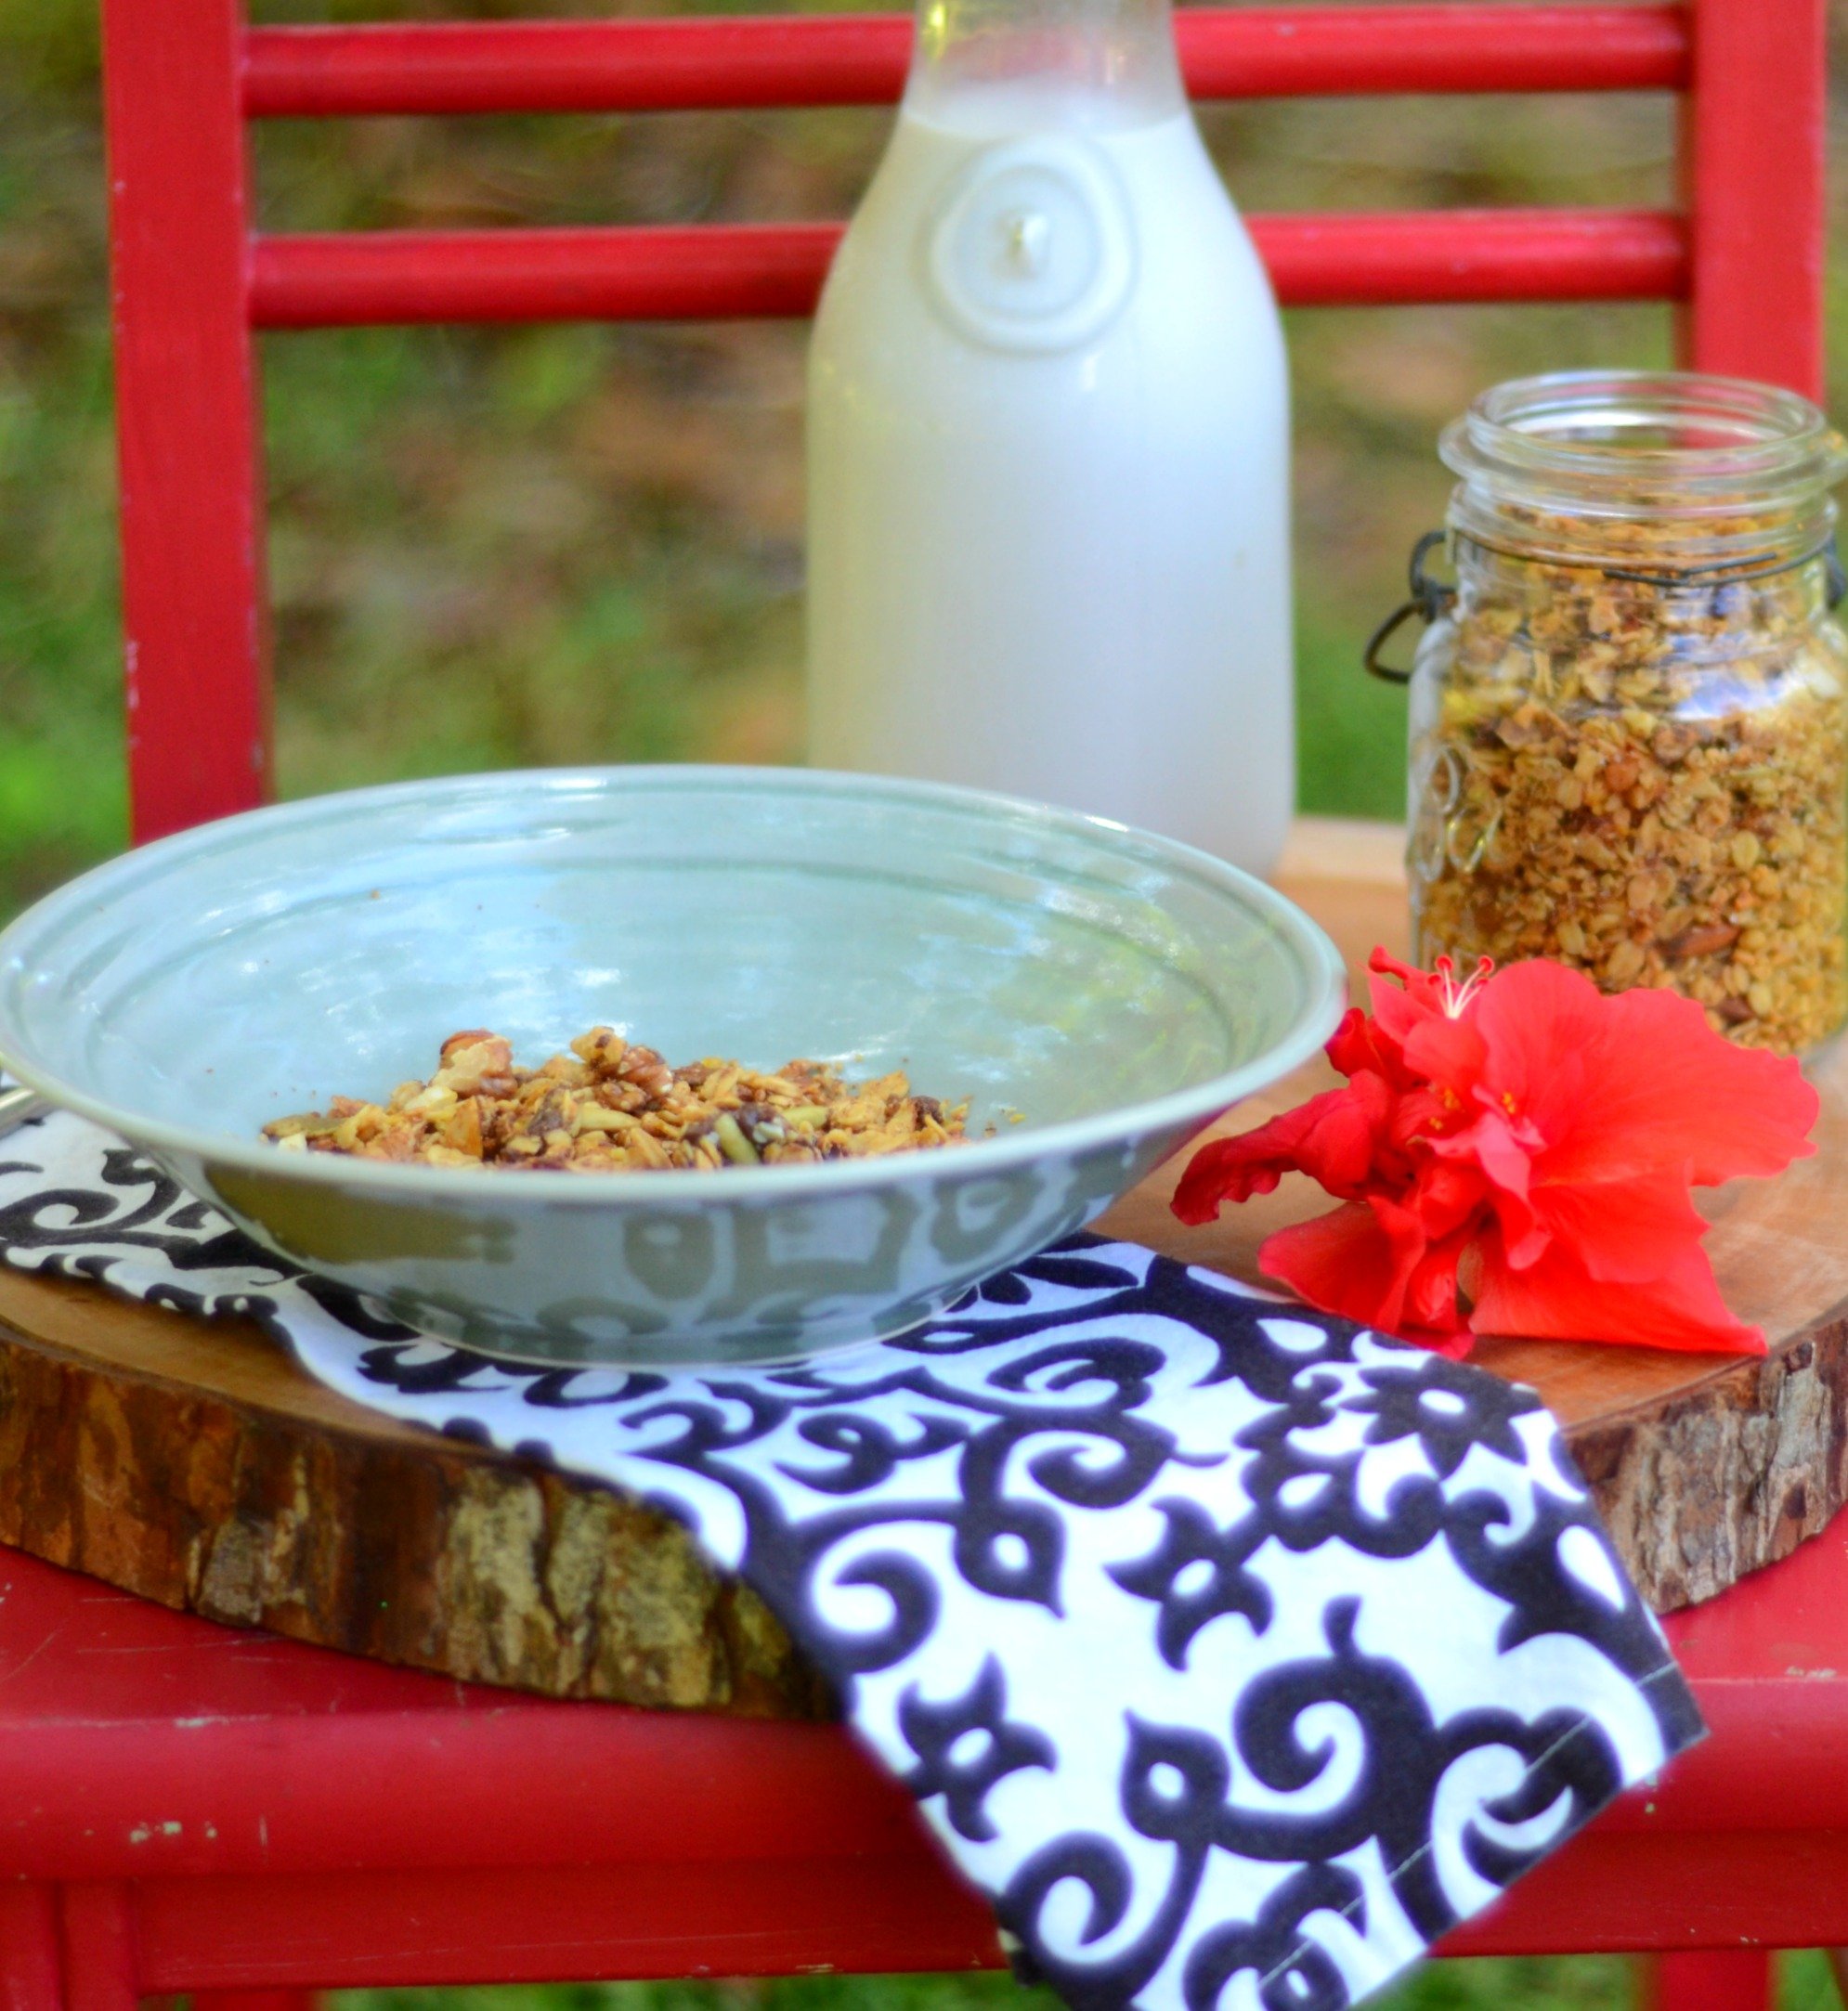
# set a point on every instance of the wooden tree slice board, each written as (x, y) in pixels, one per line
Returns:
(193, 1463)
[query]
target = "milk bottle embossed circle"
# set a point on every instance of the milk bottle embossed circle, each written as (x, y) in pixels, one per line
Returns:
(1030, 246)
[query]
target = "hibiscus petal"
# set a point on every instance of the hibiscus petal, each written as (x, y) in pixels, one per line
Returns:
(1557, 1299)
(1421, 1117)
(1450, 1052)
(1503, 1154)
(1422, 1304)
(1447, 1194)
(1636, 1083)
(1351, 1047)
(1431, 1295)
(1399, 1009)
(1629, 1231)
(1330, 1137)
(1344, 1263)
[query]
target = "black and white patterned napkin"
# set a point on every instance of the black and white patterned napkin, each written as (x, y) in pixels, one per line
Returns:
(1235, 1655)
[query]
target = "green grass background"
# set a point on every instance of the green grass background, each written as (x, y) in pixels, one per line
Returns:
(1578, 1984)
(1549, 1983)
(566, 544)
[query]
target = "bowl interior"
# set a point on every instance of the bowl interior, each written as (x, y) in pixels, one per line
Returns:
(1037, 962)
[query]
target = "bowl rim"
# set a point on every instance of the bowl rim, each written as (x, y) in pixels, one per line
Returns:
(1322, 970)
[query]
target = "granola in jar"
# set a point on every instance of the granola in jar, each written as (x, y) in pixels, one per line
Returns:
(1628, 733)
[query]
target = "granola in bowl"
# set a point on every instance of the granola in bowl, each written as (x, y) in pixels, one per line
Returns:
(611, 1106)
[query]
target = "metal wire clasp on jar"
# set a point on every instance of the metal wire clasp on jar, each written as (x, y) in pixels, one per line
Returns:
(1629, 721)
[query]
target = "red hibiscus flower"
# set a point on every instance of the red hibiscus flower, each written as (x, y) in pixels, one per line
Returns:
(1514, 1156)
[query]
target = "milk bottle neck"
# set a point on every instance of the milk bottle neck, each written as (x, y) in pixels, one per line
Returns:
(1002, 67)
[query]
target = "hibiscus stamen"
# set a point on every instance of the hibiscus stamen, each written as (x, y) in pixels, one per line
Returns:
(1457, 996)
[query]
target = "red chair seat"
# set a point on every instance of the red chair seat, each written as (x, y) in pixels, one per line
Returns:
(185, 1808)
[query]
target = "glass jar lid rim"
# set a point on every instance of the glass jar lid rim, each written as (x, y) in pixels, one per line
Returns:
(1569, 428)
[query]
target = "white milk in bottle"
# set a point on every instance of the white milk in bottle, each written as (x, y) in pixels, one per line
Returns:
(1048, 546)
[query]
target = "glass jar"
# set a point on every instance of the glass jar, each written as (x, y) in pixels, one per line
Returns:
(1629, 721)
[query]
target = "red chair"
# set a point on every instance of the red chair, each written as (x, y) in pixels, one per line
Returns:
(186, 1809)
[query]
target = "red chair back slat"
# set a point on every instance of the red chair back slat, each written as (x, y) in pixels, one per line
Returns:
(718, 272)
(194, 596)
(1742, 259)
(1752, 131)
(732, 63)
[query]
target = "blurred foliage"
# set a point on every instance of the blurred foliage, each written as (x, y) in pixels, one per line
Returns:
(1533, 1983)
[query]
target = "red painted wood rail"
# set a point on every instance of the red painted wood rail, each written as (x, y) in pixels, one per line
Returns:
(707, 270)
(704, 65)
(188, 1809)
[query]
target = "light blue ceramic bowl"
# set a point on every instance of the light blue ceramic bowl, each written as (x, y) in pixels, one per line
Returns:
(1117, 990)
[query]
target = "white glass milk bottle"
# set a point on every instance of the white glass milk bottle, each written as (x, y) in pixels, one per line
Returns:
(1048, 547)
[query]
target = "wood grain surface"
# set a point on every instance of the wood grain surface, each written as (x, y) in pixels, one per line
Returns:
(193, 1463)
